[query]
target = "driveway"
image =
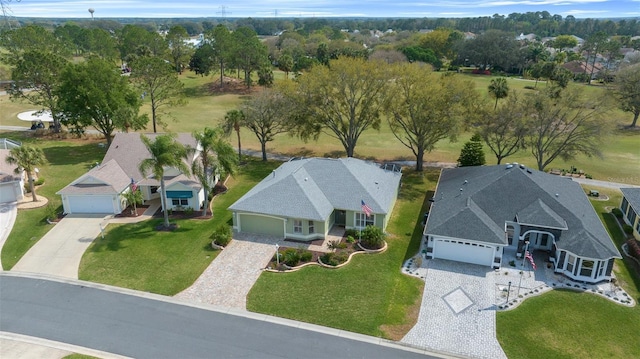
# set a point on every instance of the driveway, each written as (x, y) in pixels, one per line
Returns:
(457, 314)
(59, 252)
(229, 278)
(8, 212)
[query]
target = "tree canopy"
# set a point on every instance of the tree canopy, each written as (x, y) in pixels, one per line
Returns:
(627, 90)
(27, 158)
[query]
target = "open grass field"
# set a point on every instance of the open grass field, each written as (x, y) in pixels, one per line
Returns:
(369, 295)
(68, 159)
(137, 256)
(566, 324)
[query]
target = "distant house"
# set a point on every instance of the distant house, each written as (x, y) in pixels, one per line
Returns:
(101, 189)
(304, 198)
(579, 67)
(630, 207)
(478, 213)
(11, 184)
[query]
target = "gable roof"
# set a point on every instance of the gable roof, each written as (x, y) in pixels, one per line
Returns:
(505, 192)
(7, 171)
(312, 188)
(106, 178)
(633, 197)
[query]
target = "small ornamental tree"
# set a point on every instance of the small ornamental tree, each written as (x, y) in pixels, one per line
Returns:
(472, 154)
(372, 237)
(133, 198)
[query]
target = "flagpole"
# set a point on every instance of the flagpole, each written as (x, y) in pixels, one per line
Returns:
(524, 257)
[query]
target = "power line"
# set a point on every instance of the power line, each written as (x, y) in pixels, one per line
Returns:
(7, 13)
(223, 11)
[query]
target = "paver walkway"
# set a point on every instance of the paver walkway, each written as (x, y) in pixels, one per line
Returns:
(457, 314)
(229, 278)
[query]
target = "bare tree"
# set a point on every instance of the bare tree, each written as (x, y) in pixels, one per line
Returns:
(503, 130)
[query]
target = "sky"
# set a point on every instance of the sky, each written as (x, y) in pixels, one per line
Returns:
(318, 8)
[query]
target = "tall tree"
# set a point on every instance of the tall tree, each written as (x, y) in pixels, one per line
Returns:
(493, 48)
(37, 77)
(203, 60)
(94, 93)
(222, 43)
(627, 90)
(423, 108)
(341, 100)
(503, 130)
(164, 152)
(233, 121)
(472, 153)
(179, 50)
(594, 44)
(285, 63)
(250, 54)
(564, 124)
(215, 156)
(160, 83)
(27, 158)
(498, 89)
(266, 115)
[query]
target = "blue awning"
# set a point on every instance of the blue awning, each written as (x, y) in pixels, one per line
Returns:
(179, 194)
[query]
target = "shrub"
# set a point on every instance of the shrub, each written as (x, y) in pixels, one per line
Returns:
(372, 237)
(336, 244)
(306, 256)
(188, 211)
(350, 239)
(351, 232)
(617, 212)
(291, 257)
(334, 259)
(588, 176)
(634, 248)
(51, 212)
(222, 236)
(627, 229)
(39, 181)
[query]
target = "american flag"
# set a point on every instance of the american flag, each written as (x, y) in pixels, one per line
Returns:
(530, 258)
(366, 209)
(134, 185)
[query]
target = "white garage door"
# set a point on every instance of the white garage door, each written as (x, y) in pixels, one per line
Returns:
(468, 253)
(91, 204)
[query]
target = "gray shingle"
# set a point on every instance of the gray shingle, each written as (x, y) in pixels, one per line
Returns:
(107, 178)
(633, 197)
(501, 193)
(539, 214)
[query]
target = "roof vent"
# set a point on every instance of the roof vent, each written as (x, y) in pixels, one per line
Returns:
(529, 170)
(306, 179)
(465, 181)
(557, 195)
(509, 166)
(521, 166)
(515, 163)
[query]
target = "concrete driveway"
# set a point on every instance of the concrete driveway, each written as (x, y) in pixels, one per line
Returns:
(59, 252)
(8, 212)
(458, 311)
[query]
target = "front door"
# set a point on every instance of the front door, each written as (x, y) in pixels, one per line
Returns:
(539, 241)
(341, 218)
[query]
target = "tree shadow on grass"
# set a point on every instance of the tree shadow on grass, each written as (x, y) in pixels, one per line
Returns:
(113, 238)
(256, 170)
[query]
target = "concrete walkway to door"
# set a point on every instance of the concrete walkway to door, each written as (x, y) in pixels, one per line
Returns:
(229, 278)
(60, 250)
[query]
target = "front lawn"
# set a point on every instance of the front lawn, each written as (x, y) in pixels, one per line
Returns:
(136, 256)
(68, 159)
(564, 324)
(369, 295)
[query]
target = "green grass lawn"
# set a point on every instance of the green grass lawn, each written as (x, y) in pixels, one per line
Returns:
(566, 324)
(68, 159)
(136, 256)
(369, 295)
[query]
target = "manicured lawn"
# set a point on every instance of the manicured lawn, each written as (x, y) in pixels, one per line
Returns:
(68, 159)
(137, 256)
(565, 324)
(369, 295)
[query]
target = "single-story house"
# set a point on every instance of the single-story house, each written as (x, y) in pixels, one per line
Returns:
(630, 207)
(479, 212)
(101, 189)
(304, 198)
(11, 184)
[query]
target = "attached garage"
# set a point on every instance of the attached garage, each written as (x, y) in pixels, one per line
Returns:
(462, 251)
(90, 204)
(252, 223)
(11, 191)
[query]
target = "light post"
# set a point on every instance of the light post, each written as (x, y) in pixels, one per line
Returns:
(524, 254)
(277, 255)
(508, 291)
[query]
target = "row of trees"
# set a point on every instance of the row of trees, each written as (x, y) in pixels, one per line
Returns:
(351, 96)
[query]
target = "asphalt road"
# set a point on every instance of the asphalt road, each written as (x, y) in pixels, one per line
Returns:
(140, 327)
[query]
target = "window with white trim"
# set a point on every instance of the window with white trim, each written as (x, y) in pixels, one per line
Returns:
(362, 220)
(571, 261)
(586, 269)
(311, 227)
(297, 226)
(180, 201)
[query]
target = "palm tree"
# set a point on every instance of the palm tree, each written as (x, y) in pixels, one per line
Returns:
(27, 158)
(498, 89)
(165, 151)
(216, 156)
(233, 121)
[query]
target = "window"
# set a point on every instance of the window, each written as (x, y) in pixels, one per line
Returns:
(544, 240)
(311, 227)
(624, 205)
(587, 268)
(601, 266)
(571, 261)
(180, 201)
(153, 189)
(362, 220)
(631, 216)
(297, 226)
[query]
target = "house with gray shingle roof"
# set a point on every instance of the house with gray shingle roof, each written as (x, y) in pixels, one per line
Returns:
(630, 207)
(479, 212)
(304, 198)
(101, 189)
(11, 183)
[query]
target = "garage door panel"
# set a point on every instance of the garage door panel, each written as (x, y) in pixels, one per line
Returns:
(90, 204)
(464, 252)
(261, 225)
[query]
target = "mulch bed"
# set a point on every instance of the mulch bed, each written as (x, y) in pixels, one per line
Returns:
(128, 212)
(350, 248)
